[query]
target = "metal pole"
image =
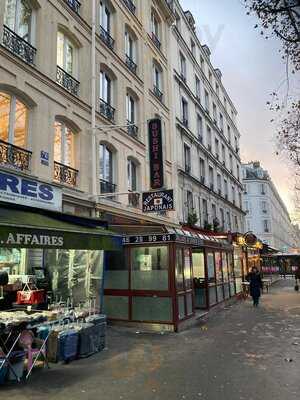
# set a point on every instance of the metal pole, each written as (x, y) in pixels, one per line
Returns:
(93, 93)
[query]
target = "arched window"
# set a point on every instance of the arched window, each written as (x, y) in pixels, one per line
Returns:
(64, 144)
(106, 158)
(13, 120)
(132, 178)
(106, 15)
(157, 81)
(155, 29)
(130, 49)
(131, 114)
(107, 94)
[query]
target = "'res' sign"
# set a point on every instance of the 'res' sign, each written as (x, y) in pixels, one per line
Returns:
(156, 154)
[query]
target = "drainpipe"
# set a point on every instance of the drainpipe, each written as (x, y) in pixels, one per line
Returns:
(93, 102)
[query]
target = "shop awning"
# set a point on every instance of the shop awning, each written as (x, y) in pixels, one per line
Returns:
(20, 228)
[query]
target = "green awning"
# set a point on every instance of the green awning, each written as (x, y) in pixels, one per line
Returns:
(20, 228)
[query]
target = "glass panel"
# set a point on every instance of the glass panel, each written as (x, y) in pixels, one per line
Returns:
(60, 49)
(187, 269)
(181, 307)
(226, 290)
(20, 124)
(225, 267)
(150, 268)
(218, 261)
(69, 148)
(232, 289)
(24, 19)
(189, 303)
(12, 261)
(116, 307)
(212, 296)
(220, 293)
(5, 102)
(179, 269)
(198, 265)
(57, 142)
(116, 270)
(69, 58)
(230, 266)
(200, 297)
(153, 309)
(10, 14)
(211, 267)
(238, 285)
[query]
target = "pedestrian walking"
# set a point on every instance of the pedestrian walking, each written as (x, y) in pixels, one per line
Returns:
(297, 279)
(256, 285)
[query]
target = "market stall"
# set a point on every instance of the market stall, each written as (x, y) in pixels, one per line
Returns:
(51, 287)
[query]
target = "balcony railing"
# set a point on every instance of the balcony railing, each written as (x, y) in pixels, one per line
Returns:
(67, 81)
(107, 110)
(130, 64)
(74, 5)
(18, 46)
(65, 174)
(155, 40)
(106, 38)
(130, 5)
(158, 93)
(107, 187)
(134, 199)
(14, 156)
(132, 129)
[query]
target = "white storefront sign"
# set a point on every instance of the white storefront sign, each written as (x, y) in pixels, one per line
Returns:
(29, 192)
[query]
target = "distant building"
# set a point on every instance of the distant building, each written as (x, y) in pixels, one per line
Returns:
(267, 215)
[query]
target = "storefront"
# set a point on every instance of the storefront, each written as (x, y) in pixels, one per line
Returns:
(163, 277)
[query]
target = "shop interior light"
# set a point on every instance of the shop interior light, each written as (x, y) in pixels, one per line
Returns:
(241, 241)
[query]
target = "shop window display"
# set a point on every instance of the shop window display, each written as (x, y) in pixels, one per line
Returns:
(199, 279)
(211, 279)
(116, 271)
(187, 269)
(238, 268)
(218, 261)
(179, 269)
(149, 268)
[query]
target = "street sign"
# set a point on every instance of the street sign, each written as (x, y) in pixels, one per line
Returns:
(156, 154)
(162, 200)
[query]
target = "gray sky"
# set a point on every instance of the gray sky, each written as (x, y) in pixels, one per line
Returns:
(252, 69)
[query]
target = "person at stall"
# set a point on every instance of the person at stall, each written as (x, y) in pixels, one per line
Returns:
(255, 281)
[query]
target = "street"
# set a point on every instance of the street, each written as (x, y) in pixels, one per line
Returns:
(240, 353)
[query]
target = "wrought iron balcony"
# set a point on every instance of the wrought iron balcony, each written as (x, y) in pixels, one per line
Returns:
(14, 156)
(130, 5)
(155, 40)
(158, 93)
(65, 174)
(18, 46)
(131, 64)
(67, 81)
(74, 4)
(106, 38)
(132, 129)
(107, 187)
(134, 199)
(107, 110)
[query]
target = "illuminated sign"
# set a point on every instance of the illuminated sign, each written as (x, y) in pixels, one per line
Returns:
(156, 154)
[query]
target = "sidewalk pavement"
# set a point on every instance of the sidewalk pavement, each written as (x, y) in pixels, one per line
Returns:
(241, 352)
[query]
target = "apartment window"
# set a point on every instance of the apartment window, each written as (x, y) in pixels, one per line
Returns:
(228, 220)
(18, 16)
(130, 51)
(106, 169)
(236, 223)
(236, 144)
(187, 158)
(190, 201)
(238, 172)
(157, 79)
(226, 188)
(182, 66)
(225, 103)
(240, 200)
(209, 138)
(233, 194)
(219, 183)
(13, 120)
(221, 123)
(204, 211)
(211, 178)
(223, 154)
(64, 144)
(217, 89)
(202, 170)
(131, 107)
(229, 134)
(199, 127)
(105, 87)
(214, 211)
(217, 148)
(202, 64)
(105, 16)
(206, 100)
(222, 219)
(264, 207)
(262, 188)
(246, 189)
(198, 87)
(231, 163)
(215, 113)
(184, 109)
(66, 54)
(193, 48)
(155, 27)
(178, 21)
(210, 77)
(266, 226)
(131, 175)
(246, 206)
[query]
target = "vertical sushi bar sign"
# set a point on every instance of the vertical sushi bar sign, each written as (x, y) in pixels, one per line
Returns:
(156, 154)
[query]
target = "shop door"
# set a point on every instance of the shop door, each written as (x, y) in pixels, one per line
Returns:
(184, 290)
(199, 279)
